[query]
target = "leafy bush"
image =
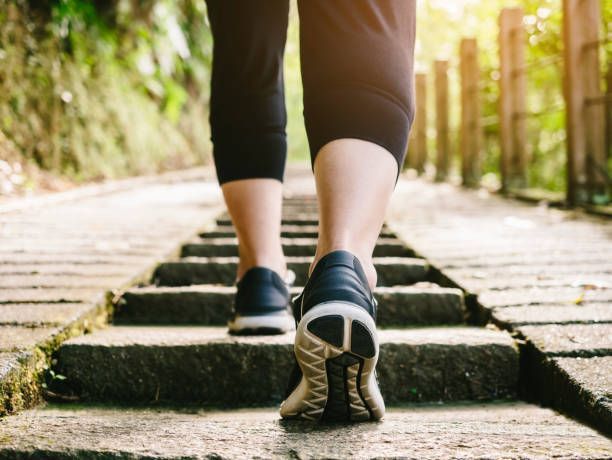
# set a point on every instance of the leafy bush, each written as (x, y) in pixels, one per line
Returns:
(105, 88)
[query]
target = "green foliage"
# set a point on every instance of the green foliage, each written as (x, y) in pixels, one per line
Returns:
(546, 130)
(543, 24)
(296, 133)
(105, 88)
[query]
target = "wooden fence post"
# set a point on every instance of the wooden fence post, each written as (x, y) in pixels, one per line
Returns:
(609, 111)
(584, 101)
(410, 161)
(512, 99)
(421, 122)
(470, 132)
(442, 130)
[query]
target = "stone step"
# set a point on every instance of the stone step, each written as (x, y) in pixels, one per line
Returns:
(300, 207)
(302, 211)
(310, 220)
(228, 247)
(303, 218)
(391, 271)
(466, 431)
(287, 231)
(205, 365)
(211, 305)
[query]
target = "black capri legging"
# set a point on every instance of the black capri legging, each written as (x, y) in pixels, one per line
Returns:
(357, 73)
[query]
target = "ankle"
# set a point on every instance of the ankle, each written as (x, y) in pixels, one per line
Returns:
(275, 263)
(365, 258)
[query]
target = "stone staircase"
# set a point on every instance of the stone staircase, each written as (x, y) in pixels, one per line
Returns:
(165, 380)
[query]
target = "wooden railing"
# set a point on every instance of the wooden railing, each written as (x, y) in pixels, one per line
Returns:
(587, 108)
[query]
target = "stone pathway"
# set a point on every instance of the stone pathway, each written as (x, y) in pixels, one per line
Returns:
(64, 256)
(543, 274)
(473, 431)
(167, 351)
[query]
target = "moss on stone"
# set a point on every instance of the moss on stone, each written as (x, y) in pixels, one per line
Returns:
(21, 386)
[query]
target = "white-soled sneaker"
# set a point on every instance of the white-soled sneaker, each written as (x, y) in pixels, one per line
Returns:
(262, 304)
(336, 346)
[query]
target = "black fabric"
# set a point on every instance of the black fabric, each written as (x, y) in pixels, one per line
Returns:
(247, 102)
(261, 291)
(357, 72)
(337, 276)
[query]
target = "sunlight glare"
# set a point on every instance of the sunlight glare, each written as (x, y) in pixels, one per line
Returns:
(454, 9)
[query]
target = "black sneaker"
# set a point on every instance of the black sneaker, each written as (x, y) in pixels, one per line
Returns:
(336, 346)
(262, 304)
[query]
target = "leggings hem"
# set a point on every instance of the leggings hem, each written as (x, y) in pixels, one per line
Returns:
(359, 113)
(261, 156)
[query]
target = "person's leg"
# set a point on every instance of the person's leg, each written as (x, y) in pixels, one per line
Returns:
(357, 67)
(354, 180)
(248, 118)
(255, 207)
(358, 107)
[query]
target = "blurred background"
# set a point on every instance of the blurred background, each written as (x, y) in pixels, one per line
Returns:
(91, 90)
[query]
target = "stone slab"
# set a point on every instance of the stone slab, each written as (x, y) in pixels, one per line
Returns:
(107, 241)
(56, 255)
(50, 295)
(526, 264)
(199, 304)
(75, 259)
(8, 362)
(536, 296)
(17, 232)
(594, 374)
(307, 221)
(479, 282)
(584, 386)
(212, 304)
(469, 278)
(48, 251)
(511, 317)
(206, 365)
(287, 231)
(19, 338)
(59, 281)
(474, 431)
(416, 305)
(68, 270)
(37, 314)
(228, 247)
(479, 262)
(571, 340)
(222, 270)
(450, 251)
(18, 385)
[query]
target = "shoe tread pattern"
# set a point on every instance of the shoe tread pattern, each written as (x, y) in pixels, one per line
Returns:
(344, 372)
(329, 328)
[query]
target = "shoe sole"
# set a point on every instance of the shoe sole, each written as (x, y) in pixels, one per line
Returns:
(261, 325)
(336, 347)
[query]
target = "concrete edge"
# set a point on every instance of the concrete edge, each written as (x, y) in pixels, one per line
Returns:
(543, 381)
(22, 386)
(105, 188)
(537, 197)
(19, 387)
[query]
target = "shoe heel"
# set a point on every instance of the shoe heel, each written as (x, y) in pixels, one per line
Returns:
(336, 348)
(331, 329)
(346, 353)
